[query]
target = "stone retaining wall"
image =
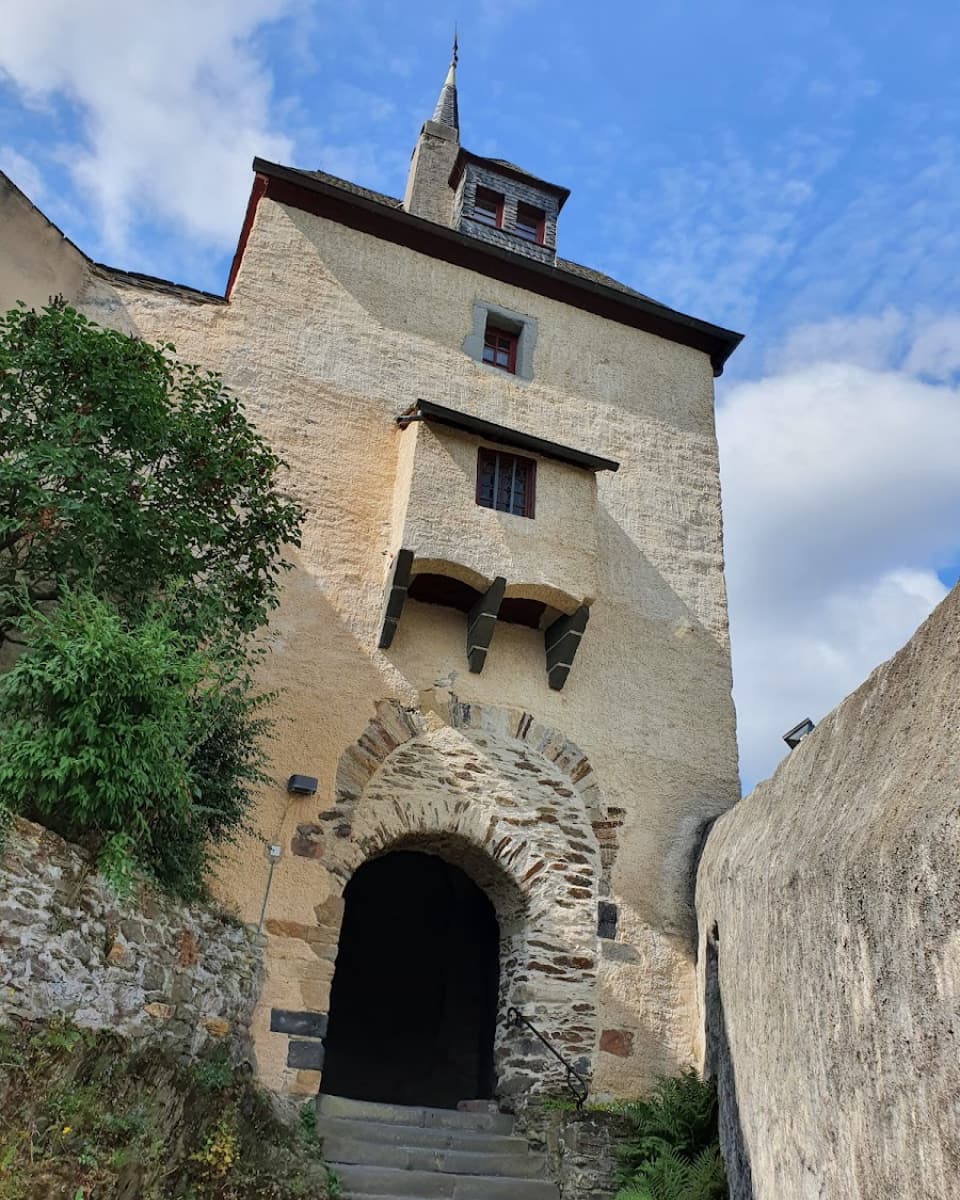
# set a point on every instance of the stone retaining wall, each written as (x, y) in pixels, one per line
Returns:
(580, 1148)
(149, 967)
(829, 901)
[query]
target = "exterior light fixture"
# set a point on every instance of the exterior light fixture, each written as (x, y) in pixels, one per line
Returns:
(302, 785)
(793, 737)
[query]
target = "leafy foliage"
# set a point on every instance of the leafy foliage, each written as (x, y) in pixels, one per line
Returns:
(135, 494)
(119, 733)
(134, 473)
(85, 1117)
(229, 730)
(672, 1151)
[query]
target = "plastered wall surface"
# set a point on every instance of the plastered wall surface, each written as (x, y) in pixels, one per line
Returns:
(330, 333)
(831, 900)
(37, 262)
(555, 552)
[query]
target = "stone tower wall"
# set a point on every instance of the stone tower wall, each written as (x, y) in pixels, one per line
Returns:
(329, 334)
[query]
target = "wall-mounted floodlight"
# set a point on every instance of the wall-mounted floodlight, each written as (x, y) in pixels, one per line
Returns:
(302, 785)
(793, 737)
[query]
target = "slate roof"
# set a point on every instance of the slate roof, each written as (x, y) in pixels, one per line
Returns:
(582, 272)
(562, 264)
(354, 188)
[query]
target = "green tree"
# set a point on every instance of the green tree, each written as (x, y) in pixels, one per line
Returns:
(135, 474)
(140, 511)
(119, 733)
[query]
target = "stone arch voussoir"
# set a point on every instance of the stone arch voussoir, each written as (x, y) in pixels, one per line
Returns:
(513, 803)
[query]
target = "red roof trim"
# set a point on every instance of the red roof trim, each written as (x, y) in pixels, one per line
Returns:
(258, 190)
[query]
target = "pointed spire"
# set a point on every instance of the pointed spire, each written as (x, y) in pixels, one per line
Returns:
(446, 112)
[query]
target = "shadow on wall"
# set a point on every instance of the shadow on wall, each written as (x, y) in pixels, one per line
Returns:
(718, 1064)
(672, 647)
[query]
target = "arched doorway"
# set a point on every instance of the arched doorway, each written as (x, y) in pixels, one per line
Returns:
(413, 1007)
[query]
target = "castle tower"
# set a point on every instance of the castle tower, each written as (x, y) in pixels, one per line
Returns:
(503, 652)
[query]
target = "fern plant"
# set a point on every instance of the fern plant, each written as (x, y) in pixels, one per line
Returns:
(672, 1151)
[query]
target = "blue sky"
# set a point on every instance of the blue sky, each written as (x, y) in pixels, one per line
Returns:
(791, 170)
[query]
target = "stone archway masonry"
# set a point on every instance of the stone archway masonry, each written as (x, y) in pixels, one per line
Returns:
(515, 804)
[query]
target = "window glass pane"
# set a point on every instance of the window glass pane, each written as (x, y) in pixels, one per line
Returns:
(529, 222)
(486, 475)
(519, 491)
(505, 482)
(500, 348)
(487, 207)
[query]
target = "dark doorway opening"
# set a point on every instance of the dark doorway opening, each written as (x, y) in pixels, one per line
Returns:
(413, 1007)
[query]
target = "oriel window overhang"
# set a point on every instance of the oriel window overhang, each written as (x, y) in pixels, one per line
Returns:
(426, 410)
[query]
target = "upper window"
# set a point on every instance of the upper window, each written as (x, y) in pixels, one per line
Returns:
(506, 482)
(500, 348)
(488, 207)
(531, 223)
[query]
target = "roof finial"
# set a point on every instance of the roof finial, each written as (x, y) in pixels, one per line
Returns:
(446, 112)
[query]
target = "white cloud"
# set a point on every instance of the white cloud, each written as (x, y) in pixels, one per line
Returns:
(865, 341)
(804, 663)
(173, 99)
(841, 496)
(23, 172)
(936, 351)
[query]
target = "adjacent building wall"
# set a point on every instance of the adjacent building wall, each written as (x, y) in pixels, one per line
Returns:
(829, 901)
(37, 263)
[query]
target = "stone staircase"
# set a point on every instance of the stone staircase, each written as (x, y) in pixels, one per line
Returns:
(389, 1152)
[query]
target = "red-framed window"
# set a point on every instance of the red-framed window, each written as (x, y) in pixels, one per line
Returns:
(531, 223)
(506, 482)
(500, 348)
(488, 207)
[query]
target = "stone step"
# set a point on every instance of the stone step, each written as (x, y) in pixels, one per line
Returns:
(452, 1161)
(402, 1114)
(380, 1182)
(476, 1141)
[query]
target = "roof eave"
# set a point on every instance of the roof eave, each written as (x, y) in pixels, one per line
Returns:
(490, 431)
(715, 341)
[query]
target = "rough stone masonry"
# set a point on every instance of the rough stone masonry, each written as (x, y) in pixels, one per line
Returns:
(147, 967)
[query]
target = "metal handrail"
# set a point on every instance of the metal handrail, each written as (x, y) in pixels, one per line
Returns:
(576, 1084)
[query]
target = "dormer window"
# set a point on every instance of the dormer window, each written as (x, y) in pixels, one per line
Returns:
(488, 208)
(531, 223)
